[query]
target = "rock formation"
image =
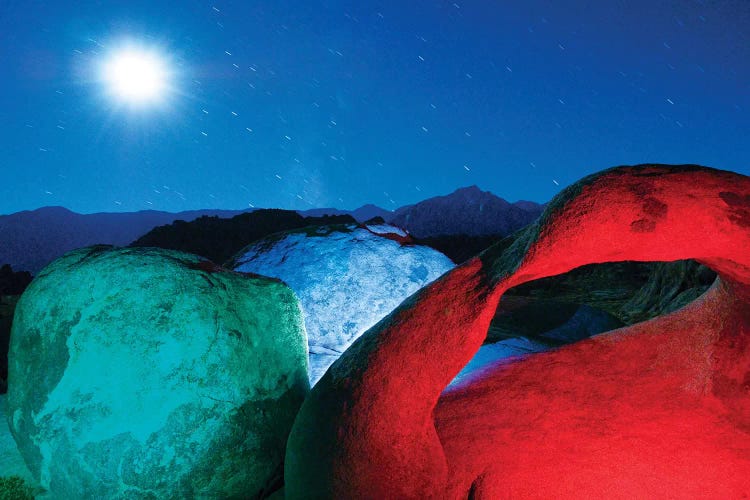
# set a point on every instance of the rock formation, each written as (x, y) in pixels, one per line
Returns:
(149, 373)
(657, 409)
(347, 278)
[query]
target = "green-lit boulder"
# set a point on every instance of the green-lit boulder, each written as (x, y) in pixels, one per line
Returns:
(147, 373)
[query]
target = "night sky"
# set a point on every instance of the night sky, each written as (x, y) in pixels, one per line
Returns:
(300, 104)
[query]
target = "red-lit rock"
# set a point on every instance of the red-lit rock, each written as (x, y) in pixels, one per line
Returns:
(659, 409)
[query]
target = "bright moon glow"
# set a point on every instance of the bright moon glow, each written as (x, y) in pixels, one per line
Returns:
(136, 76)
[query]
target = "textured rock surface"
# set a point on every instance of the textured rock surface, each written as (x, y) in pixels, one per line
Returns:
(347, 278)
(659, 409)
(146, 373)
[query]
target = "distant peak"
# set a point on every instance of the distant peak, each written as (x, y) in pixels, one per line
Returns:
(55, 209)
(371, 206)
(473, 193)
(469, 189)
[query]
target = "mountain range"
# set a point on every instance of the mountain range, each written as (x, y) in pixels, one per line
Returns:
(361, 214)
(31, 239)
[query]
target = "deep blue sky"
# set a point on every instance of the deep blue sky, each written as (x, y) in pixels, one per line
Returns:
(353, 102)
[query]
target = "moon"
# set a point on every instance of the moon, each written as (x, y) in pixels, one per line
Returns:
(136, 76)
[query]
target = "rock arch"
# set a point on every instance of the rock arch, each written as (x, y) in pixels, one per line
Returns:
(652, 409)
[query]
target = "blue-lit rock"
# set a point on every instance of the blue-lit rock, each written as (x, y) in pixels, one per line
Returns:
(347, 278)
(146, 373)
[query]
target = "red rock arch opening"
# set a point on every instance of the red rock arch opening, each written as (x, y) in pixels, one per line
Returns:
(552, 312)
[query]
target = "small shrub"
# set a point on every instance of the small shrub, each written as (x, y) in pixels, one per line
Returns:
(14, 488)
